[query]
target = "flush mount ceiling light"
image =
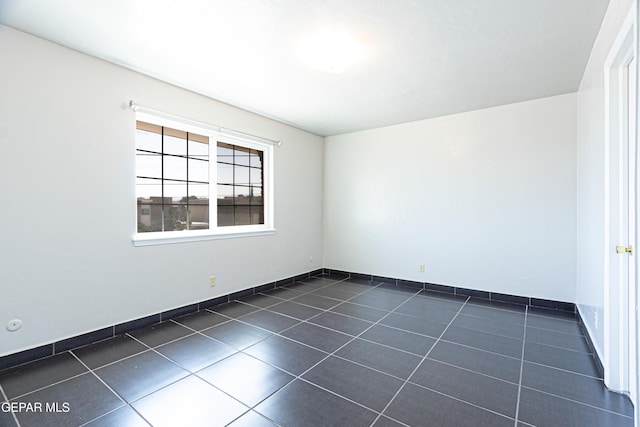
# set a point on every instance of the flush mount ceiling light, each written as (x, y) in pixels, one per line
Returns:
(331, 51)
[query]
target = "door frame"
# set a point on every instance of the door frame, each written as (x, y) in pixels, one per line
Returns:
(619, 360)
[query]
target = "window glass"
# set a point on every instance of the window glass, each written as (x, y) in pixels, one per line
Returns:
(255, 177)
(198, 150)
(240, 175)
(149, 137)
(174, 168)
(241, 156)
(172, 179)
(225, 153)
(256, 159)
(149, 164)
(175, 145)
(225, 173)
(180, 179)
(198, 170)
(148, 188)
(240, 169)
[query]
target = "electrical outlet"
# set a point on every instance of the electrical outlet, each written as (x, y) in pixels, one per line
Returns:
(421, 268)
(212, 281)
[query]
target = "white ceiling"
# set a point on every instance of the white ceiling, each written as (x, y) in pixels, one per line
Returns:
(424, 58)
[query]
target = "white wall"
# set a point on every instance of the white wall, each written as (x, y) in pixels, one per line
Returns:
(591, 176)
(67, 263)
(485, 199)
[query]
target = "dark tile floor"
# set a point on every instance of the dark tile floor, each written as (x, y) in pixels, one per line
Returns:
(330, 352)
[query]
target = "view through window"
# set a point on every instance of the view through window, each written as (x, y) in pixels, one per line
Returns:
(174, 183)
(172, 179)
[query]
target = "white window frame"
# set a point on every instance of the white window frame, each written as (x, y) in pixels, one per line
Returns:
(214, 232)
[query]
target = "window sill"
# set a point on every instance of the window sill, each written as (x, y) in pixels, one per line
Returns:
(170, 237)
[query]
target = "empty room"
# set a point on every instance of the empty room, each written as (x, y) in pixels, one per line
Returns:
(318, 213)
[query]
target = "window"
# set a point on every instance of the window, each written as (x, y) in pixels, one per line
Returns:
(240, 177)
(172, 168)
(194, 183)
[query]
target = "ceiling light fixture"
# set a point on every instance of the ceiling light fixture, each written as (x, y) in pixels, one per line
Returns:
(331, 51)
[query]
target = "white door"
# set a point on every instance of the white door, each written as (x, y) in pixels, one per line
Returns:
(621, 250)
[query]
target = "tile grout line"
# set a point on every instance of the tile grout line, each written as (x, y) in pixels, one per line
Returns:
(299, 321)
(189, 374)
(125, 403)
(469, 346)
(557, 396)
(4, 395)
(194, 332)
(385, 345)
(125, 357)
(299, 377)
(242, 350)
(322, 311)
(153, 349)
(549, 329)
(407, 381)
(328, 310)
(553, 316)
(344, 397)
(566, 371)
(419, 363)
(354, 337)
(563, 348)
(417, 293)
(148, 347)
(351, 362)
(504, 321)
(467, 302)
(524, 337)
(475, 405)
(311, 292)
(357, 318)
(468, 370)
(323, 274)
(349, 316)
(250, 410)
(516, 324)
(239, 319)
(479, 349)
(49, 385)
(211, 310)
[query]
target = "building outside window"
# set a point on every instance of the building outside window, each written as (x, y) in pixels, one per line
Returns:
(194, 181)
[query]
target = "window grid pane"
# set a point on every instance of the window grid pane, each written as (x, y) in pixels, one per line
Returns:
(178, 197)
(240, 185)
